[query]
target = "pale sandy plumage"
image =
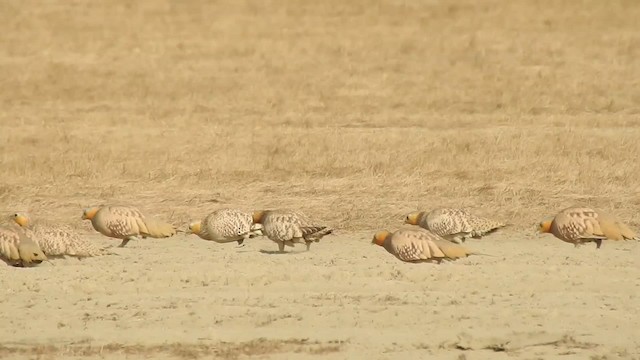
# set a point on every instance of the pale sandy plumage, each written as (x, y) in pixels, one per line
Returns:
(419, 245)
(579, 225)
(126, 223)
(455, 225)
(226, 225)
(286, 227)
(57, 240)
(17, 249)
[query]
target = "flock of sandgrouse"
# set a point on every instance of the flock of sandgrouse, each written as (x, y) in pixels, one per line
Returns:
(431, 236)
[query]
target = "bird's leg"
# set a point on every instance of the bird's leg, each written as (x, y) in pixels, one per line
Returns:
(126, 240)
(308, 245)
(598, 243)
(281, 246)
(240, 243)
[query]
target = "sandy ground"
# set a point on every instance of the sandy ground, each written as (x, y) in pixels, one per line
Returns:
(535, 298)
(355, 112)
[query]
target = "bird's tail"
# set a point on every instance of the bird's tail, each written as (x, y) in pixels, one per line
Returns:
(315, 233)
(104, 251)
(159, 229)
(484, 226)
(614, 229)
(481, 254)
(92, 252)
(452, 250)
(455, 251)
(627, 233)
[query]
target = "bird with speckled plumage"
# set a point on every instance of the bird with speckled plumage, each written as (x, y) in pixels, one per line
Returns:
(287, 227)
(419, 245)
(226, 225)
(126, 223)
(580, 225)
(455, 225)
(17, 249)
(57, 240)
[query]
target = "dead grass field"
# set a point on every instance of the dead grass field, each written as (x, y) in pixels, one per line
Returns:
(356, 112)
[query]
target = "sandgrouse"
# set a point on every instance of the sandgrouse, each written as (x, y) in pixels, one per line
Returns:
(17, 249)
(226, 225)
(287, 228)
(579, 225)
(58, 240)
(419, 245)
(455, 225)
(126, 223)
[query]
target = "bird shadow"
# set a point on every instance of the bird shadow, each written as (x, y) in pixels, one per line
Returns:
(244, 251)
(277, 252)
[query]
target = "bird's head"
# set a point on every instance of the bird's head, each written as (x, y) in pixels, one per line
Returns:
(89, 213)
(380, 237)
(31, 253)
(194, 227)
(21, 219)
(545, 226)
(413, 218)
(258, 216)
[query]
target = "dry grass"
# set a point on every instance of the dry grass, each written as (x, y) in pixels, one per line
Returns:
(353, 111)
